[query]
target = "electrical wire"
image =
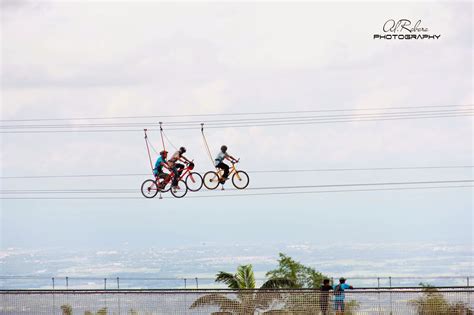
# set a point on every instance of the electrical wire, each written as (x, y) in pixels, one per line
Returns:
(247, 120)
(241, 125)
(241, 195)
(132, 190)
(235, 114)
(254, 171)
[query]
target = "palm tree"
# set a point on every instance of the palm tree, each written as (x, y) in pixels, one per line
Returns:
(249, 299)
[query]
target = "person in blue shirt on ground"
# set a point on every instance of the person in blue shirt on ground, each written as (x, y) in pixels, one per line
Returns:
(339, 295)
(219, 162)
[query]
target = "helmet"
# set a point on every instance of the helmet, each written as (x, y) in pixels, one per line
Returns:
(164, 152)
(182, 150)
(342, 279)
(224, 148)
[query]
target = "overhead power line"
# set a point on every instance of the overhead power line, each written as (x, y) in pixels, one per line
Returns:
(254, 171)
(239, 125)
(133, 190)
(242, 194)
(245, 120)
(235, 114)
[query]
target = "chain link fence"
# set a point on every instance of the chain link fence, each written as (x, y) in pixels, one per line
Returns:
(430, 301)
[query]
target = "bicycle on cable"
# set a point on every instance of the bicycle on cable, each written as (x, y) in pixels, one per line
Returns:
(180, 179)
(212, 179)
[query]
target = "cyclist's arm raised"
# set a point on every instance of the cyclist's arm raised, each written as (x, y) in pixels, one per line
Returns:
(184, 159)
(231, 158)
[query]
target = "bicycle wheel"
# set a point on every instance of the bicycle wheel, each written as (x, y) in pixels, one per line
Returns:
(194, 181)
(181, 191)
(240, 179)
(165, 184)
(149, 188)
(211, 180)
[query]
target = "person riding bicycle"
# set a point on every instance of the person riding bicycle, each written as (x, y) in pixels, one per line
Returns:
(160, 163)
(177, 168)
(219, 162)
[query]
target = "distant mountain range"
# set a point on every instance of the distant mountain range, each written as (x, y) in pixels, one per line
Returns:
(433, 263)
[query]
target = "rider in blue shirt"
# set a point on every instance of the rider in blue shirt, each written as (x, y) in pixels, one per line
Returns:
(160, 163)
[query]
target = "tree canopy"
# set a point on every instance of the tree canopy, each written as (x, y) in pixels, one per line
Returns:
(302, 276)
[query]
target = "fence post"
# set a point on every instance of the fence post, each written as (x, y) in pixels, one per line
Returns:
(54, 299)
(118, 283)
(390, 285)
(468, 295)
(197, 284)
(105, 283)
(185, 283)
(378, 294)
(67, 283)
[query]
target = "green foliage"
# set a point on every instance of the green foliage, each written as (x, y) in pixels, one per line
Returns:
(243, 279)
(247, 302)
(432, 302)
(88, 313)
(66, 309)
(290, 274)
(302, 276)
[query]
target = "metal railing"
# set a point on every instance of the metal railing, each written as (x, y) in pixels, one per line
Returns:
(127, 282)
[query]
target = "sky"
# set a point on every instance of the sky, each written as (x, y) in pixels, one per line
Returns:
(104, 58)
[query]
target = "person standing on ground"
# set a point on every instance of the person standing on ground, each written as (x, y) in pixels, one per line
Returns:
(324, 297)
(339, 295)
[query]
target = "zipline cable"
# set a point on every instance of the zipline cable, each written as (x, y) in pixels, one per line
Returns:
(169, 141)
(248, 120)
(254, 171)
(229, 126)
(234, 114)
(148, 150)
(206, 145)
(161, 133)
(241, 195)
(132, 190)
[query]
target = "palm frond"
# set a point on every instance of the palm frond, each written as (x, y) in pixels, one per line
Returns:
(245, 277)
(279, 283)
(219, 300)
(228, 279)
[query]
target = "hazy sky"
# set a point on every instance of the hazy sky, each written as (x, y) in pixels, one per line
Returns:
(88, 58)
